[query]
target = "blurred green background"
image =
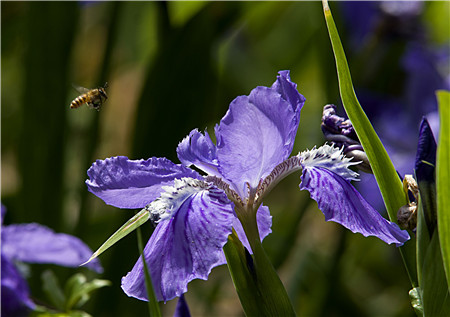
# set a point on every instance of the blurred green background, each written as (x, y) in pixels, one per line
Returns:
(173, 67)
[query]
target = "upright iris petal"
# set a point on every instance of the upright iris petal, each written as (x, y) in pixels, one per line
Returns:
(257, 133)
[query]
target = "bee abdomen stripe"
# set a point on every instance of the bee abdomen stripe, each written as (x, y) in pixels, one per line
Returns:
(77, 102)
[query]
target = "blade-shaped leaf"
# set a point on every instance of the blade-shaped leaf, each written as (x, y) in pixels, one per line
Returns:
(383, 169)
(435, 293)
(139, 219)
(387, 179)
(442, 179)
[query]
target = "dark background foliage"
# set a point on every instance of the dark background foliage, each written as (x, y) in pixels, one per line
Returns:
(176, 66)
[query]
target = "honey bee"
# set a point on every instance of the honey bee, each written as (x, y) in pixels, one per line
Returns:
(93, 98)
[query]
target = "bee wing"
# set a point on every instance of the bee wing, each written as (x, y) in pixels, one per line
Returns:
(80, 89)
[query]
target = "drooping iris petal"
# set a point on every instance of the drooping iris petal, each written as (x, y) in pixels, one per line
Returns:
(130, 184)
(254, 136)
(16, 299)
(184, 247)
(340, 202)
(264, 220)
(34, 243)
(199, 150)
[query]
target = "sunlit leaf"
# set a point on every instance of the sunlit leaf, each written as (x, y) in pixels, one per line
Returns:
(139, 219)
(383, 169)
(387, 179)
(443, 179)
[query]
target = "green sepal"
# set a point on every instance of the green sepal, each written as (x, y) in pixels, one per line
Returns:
(443, 179)
(138, 220)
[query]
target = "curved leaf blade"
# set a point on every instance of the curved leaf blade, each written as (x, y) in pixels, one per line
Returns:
(383, 169)
(139, 219)
(442, 179)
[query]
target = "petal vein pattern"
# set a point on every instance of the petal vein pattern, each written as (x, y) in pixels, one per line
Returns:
(342, 203)
(185, 246)
(125, 183)
(253, 136)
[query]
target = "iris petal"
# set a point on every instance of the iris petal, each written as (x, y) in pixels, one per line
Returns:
(16, 299)
(257, 133)
(198, 150)
(132, 184)
(34, 243)
(288, 90)
(342, 203)
(184, 247)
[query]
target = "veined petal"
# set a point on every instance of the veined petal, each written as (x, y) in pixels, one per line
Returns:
(16, 299)
(256, 134)
(34, 243)
(264, 220)
(198, 150)
(288, 90)
(185, 246)
(132, 184)
(342, 203)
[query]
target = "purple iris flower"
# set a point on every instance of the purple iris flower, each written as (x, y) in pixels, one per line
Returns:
(34, 243)
(196, 212)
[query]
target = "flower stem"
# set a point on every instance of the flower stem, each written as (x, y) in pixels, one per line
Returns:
(273, 294)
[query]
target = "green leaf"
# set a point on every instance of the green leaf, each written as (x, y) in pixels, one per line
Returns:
(139, 219)
(78, 290)
(388, 181)
(443, 179)
(260, 290)
(422, 238)
(435, 294)
(52, 289)
(153, 306)
(242, 278)
(382, 167)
